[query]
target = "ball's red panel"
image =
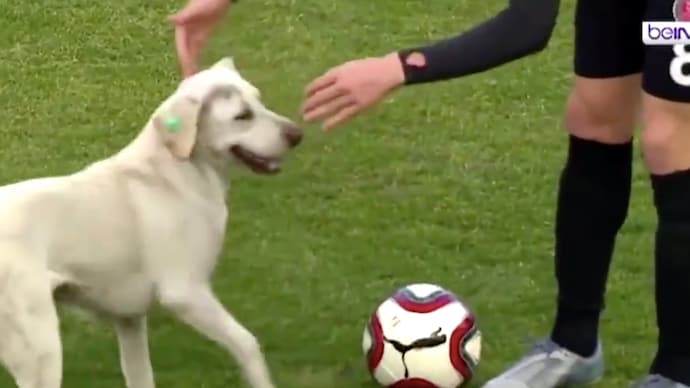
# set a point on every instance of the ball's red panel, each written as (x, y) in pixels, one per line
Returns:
(375, 353)
(406, 299)
(461, 361)
(413, 383)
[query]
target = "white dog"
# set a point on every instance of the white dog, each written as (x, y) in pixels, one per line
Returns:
(145, 225)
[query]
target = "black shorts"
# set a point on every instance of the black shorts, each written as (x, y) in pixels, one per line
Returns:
(608, 43)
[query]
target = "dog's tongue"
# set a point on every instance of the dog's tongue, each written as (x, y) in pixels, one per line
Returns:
(266, 166)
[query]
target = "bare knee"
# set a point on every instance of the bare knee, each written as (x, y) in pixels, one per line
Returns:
(657, 138)
(666, 135)
(603, 110)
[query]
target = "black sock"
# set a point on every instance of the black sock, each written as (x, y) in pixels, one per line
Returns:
(672, 283)
(593, 202)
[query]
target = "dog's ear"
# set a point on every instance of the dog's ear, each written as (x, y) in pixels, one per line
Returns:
(227, 63)
(178, 125)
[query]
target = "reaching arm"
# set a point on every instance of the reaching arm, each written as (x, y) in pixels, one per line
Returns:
(521, 29)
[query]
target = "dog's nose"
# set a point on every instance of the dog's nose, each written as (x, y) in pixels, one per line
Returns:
(293, 135)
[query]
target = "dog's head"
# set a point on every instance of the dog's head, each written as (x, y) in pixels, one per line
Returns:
(218, 114)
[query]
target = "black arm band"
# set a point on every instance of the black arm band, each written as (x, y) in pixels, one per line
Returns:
(521, 29)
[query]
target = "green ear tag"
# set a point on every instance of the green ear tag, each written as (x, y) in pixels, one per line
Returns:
(172, 124)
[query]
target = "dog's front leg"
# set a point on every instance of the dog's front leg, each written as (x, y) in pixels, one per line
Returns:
(134, 352)
(198, 307)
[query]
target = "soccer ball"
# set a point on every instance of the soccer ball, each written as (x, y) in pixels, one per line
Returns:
(422, 336)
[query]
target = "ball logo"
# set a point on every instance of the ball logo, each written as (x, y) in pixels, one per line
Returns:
(435, 339)
(428, 339)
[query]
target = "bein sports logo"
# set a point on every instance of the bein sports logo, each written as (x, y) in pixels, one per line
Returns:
(665, 33)
(669, 33)
(675, 34)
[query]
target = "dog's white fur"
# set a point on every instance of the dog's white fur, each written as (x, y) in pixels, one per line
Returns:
(143, 226)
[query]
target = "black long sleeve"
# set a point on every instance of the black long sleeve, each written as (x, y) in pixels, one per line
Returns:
(521, 29)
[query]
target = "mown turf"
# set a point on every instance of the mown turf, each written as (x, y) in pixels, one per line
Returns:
(450, 183)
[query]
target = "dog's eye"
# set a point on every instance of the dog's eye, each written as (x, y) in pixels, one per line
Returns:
(245, 115)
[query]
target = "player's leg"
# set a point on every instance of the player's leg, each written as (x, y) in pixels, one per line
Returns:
(666, 148)
(593, 192)
(592, 204)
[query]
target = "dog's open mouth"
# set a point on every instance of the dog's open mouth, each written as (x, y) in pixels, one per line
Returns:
(256, 163)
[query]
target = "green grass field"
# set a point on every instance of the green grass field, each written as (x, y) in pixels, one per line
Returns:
(451, 183)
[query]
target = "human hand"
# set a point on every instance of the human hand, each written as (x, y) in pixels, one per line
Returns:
(194, 25)
(348, 89)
